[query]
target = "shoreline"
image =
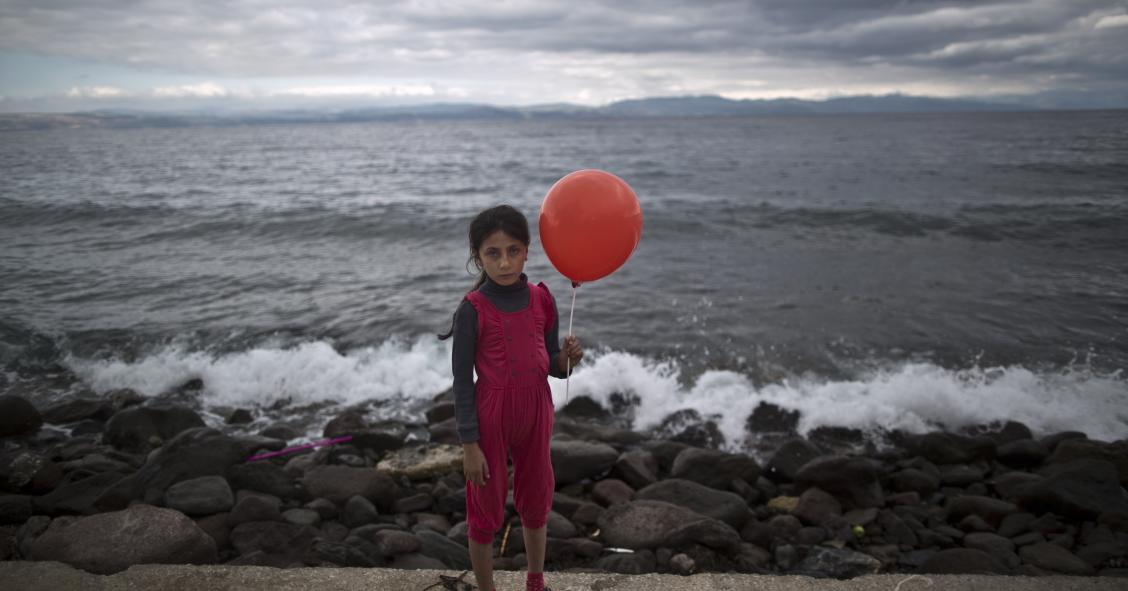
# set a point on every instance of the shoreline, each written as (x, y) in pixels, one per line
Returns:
(55, 576)
(154, 485)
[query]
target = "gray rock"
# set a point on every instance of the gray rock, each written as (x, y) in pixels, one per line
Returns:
(444, 549)
(587, 514)
(997, 546)
(653, 524)
(707, 532)
(560, 527)
(344, 554)
(959, 561)
(785, 463)
(635, 563)
(380, 436)
(191, 454)
(612, 491)
(1054, 558)
(14, 509)
(949, 448)
(78, 409)
(714, 469)
(23, 471)
(1115, 453)
(816, 507)
(852, 480)
(281, 431)
(838, 563)
(301, 517)
(1006, 485)
(767, 417)
(415, 503)
(276, 538)
(340, 483)
(573, 461)
(359, 511)
(991, 510)
(1082, 489)
(265, 477)
(112, 542)
(390, 542)
(77, 495)
(638, 468)
(960, 475)
(1015, 524)
(725, 506)
(324, 507)
(1023, 453)
(133, 428)
(681, 564)
(18, 416)
(259, 507)
(913, 480)
(205, 495)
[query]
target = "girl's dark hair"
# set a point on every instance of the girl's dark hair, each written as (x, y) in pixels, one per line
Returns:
(504, 218)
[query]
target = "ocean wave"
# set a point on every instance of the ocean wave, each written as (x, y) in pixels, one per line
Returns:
(401, 376)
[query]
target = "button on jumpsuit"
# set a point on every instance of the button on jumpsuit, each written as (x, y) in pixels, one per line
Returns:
(515, 414)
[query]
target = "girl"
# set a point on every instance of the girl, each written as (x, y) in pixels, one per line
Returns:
(506, 330)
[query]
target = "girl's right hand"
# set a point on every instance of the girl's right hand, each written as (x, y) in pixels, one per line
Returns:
(474, 464)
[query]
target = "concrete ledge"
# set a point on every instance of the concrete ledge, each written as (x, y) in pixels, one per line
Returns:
(54, 576)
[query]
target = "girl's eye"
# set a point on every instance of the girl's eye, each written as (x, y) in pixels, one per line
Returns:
(514, 251)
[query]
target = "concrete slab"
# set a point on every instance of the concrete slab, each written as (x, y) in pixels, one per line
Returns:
(54, 576)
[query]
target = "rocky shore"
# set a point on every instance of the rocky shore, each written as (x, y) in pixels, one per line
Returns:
(147, 482)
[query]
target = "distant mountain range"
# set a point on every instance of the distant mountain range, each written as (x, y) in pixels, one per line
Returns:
(686, 106)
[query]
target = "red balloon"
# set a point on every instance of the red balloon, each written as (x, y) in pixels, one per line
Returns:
(590, 223)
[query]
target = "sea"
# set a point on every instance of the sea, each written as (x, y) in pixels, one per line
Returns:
(881, 272)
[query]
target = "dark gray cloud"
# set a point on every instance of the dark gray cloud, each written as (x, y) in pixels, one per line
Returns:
(607, 49)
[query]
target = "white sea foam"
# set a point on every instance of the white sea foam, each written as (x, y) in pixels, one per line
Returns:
(914, 397)
(310, 372)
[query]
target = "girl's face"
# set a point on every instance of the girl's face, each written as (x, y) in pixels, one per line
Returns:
(502, 257)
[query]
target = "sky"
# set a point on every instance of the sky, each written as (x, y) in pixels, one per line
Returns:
(74, 55)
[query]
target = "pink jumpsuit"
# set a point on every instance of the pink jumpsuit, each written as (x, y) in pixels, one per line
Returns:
(515, 414)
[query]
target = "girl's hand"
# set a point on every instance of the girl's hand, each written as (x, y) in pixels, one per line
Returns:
(572, 352)
(474, 464)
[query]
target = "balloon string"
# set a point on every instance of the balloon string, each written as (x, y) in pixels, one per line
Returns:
(568, 373)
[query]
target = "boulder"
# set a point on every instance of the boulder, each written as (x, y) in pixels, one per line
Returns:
(78, 409)
(715, 469)
(1115, 453)
(191, 454)
(913, 480)
(1023, 453)
(1082, 489)
(423, 462)
(769, 418)
(654, 524)
(14, 509)
(559, 527)
(638, 468)
(134, 428)
(838, 563)
(949, 448)
(255, 507)
(359, 511)
(206, 495)
(380, 436)
(279, 539)
(443, 549)
(710, 502)
(852, 480)
(611, 491)
(817, 507)
(792, 455)
(23, 471)
(634, 563)
(444, 432)
(77, 493)
(991, 510)
(1054, 558)
(390, 542)
(112, 542)
(997, 546)
(573, 461)
(415, 503)
(963, 561)
(18, 416)
(265, 477)
(340, 483)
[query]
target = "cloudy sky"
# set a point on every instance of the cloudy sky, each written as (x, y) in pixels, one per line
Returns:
(81, 54)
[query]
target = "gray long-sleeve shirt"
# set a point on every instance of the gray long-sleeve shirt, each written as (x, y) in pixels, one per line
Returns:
(507, 298)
